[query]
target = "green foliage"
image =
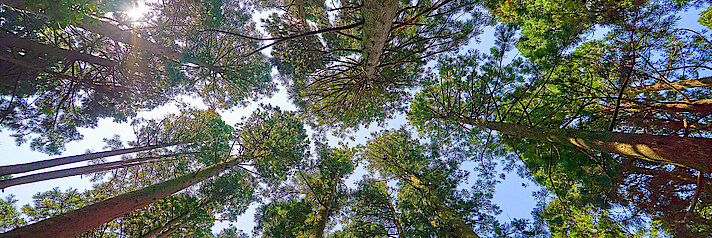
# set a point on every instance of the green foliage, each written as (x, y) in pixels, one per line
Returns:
(9, 216)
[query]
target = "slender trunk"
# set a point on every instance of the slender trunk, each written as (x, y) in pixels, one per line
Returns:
(8, 41)
(680, 84)
(21, 168)
(378, 19)
(175, 222)
(84, 219)
(691, 152)
(396, 221)
(33, 178)
(458, 227)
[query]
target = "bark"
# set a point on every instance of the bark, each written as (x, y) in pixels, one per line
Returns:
(458, 227)
(21, 168)
(378, 19)
(109, 30)
(73, 172)
(117, 34)
(84, 219)
(321, 219)
(695, 106)
(396, 221)
(9, 41)
(690, 152)
(680, 84)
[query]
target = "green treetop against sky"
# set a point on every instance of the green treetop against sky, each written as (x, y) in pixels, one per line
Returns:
(373, 118)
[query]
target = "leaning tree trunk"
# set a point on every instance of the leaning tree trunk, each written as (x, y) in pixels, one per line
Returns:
(9, 41)
(84, 219)
(33, 178)
(690, 152)
(21, 168)
(680, 84)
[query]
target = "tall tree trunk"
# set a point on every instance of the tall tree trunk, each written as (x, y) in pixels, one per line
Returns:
(8, 41)
(84, 219)
(680, 84)
(321, 219)
(378, 19)
(691, 152)
(33, 178)
(21, 168)
(458, 227)
(396, 221)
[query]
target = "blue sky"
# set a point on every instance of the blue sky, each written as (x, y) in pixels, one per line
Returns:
(515, 200)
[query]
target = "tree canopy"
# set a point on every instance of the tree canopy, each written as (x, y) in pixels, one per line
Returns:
(604, 106)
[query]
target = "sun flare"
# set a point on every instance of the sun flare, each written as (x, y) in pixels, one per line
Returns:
(138, 11)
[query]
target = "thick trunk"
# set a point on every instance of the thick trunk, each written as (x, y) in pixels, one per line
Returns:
(9, 41)
(378, 19)
(691, 152)
(696, 106)
(320, 221)
(680, 84)
(458, 227)
(21, 168)
(73, 172)
(117, 34)
(111, 31)
(84, 219)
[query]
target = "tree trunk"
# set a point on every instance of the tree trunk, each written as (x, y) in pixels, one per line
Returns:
(458, 227)
(378, 19)
(690, 152)
(84, 219)
(680, 84)
(321, 219)
(74, 171)
(21, 168)
(396, 221)
(117, 34)
(8, 40)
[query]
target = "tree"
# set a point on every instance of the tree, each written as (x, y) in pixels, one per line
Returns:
(320, 196)
(358, 69)
(270, 139)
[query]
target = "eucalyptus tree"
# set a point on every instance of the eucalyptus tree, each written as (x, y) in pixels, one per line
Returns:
(270, 141)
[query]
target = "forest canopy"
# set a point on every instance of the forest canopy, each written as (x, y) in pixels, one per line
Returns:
(604, 106)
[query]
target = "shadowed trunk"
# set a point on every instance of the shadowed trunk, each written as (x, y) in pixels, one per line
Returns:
(21, 168)
(690, 152)
(75, 171)
(84, 219)
(9, 41)
(680, 84)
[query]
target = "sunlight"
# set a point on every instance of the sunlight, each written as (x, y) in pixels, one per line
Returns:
(138, 11)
